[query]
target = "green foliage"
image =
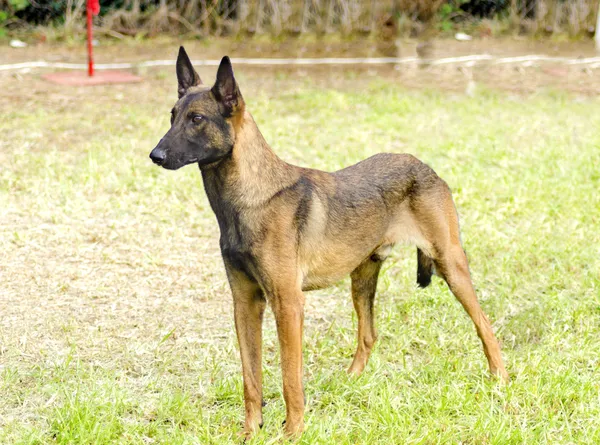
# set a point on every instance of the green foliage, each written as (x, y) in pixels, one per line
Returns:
(447, 15)
(41, 12)
(10, 9)
(18, 5)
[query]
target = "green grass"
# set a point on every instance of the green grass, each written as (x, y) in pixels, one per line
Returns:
(116, 322)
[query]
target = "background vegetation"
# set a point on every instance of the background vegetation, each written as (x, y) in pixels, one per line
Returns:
(381, 18)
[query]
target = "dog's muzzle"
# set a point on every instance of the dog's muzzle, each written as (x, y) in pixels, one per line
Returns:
(158, 156)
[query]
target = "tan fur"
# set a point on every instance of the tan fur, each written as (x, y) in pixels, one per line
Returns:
(323, 257)
(287, 229)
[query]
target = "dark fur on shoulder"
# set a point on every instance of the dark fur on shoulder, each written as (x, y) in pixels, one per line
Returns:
(287, 229)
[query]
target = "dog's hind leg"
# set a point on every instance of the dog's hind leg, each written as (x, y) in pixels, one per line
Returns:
(438, 222)
(452, 265)
(364, 284)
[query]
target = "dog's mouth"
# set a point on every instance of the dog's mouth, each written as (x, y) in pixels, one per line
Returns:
(176, 164)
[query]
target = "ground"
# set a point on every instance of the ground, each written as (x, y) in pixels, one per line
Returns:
(116, 323)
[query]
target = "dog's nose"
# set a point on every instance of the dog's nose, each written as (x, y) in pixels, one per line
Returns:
(158, 156)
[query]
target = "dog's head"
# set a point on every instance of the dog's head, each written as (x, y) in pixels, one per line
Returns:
(202, 121)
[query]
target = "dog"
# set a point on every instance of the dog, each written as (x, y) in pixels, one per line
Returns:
(287, 229)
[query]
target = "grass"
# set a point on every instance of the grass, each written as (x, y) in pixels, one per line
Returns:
(116, 321)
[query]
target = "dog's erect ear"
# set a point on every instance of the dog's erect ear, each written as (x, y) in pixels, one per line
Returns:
(186, 75)
(226, 90)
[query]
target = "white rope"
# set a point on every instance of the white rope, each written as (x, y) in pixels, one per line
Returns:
(462, 59)
(593, 62)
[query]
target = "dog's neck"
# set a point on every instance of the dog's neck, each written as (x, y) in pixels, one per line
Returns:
(253, 173)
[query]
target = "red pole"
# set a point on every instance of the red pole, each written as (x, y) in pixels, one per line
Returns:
(89, 39)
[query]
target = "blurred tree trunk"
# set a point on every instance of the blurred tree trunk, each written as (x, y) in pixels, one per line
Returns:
(597, 31)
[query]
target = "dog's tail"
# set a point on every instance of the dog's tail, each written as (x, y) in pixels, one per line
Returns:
(425, 269)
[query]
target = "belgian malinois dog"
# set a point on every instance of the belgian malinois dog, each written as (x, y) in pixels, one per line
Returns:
(287, 229)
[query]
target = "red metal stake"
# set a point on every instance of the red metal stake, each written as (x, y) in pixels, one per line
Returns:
(89, 39)
(70, 78)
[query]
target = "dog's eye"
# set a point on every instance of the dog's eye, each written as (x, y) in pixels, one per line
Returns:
(196, 118)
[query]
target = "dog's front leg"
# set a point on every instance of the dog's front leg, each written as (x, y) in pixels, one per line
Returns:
(249, 306)
(288, 307)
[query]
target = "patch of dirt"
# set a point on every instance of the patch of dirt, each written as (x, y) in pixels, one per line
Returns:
(166, 48)
(580, 79)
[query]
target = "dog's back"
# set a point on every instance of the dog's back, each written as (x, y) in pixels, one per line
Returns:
(361, 211)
